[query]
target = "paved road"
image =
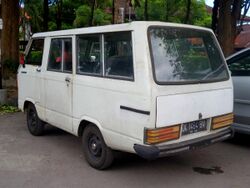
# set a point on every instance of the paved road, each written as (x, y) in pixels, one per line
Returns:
(56, 160)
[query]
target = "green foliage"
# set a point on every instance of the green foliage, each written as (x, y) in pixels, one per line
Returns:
(77, 13)
(101, 18)
(83, 15)
(200, 15)
(4, 109)
(34, 9)
(52, 25)
(175, 11)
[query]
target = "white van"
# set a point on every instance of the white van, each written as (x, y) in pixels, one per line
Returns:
(150, 88)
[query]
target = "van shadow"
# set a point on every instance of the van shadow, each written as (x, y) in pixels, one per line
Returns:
(240, 139)
(54, 131)
(125, 161)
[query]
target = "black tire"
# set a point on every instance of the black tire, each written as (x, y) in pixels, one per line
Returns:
(96, 152)
(35, 125)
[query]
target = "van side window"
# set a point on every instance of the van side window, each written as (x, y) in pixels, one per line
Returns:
(55, 55)
(60, 55)
(118, 55)
(89, 55)
(35, 54)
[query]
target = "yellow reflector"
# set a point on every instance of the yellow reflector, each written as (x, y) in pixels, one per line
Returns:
(154, 136)
(222, 121)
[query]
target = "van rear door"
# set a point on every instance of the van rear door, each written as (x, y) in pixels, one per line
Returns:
(191, 74)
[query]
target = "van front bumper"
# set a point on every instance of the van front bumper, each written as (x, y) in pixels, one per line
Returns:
(152, 152)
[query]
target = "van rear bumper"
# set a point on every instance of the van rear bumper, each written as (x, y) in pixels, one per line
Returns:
(152, 152)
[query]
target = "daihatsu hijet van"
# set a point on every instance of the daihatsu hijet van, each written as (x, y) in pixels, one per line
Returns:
(150, 88)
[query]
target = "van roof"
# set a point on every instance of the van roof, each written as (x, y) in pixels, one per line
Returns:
(113, 28)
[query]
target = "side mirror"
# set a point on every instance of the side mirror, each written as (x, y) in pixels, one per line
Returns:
(22, 60)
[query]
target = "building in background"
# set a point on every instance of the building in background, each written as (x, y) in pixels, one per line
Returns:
(243, 39)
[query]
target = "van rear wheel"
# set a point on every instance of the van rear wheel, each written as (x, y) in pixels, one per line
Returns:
(96, 152)
(35, 125)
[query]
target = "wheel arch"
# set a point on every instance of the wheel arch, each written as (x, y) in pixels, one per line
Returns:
(26, 103)
(85, 121)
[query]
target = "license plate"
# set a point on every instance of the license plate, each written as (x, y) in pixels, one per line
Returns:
(194, 127)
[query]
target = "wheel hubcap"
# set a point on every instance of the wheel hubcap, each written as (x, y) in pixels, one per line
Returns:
(95, 146)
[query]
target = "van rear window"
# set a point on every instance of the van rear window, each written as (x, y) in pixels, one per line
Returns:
(182, 55)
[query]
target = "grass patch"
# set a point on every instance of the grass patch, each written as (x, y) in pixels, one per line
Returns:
(5, 109)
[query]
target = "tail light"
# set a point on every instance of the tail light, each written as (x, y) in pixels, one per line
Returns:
(154, 136)
(222, 121)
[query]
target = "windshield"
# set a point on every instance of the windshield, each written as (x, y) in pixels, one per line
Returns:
(185, 55)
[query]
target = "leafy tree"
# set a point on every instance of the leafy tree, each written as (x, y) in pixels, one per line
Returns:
(82, 16)
(179, 11)
(225, 17)
(45, 14)
(101, 18)
(34, 9)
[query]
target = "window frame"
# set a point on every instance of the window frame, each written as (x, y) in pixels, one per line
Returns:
(62, 55)
(236, 58)
(29, 48)
(102, 50)
(101, 59)
(117, 76)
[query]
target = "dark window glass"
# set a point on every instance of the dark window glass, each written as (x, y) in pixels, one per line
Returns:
(185, 55)
(67, 55)
(35, 54)
(89, 55)
(60, 55)
(55, 55)
(118, 55)
(240, 66)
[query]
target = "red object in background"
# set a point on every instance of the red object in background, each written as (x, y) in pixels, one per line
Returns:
(58, 60)
(21, 60)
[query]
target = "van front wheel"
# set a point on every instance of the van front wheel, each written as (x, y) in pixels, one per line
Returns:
(35, 125)
(96, 152)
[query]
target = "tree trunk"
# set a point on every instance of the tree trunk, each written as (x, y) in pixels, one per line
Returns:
(236, 13)
(229, 14)
(167, 10)
(59, 15)
(215, 15)
(146, 10)
(45, 15)
(225, 27)
(10, 32)
(113, 12)
(92, 13)
(188, 11)
(117, 5)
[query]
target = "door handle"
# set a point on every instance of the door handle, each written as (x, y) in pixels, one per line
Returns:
(67, 79)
